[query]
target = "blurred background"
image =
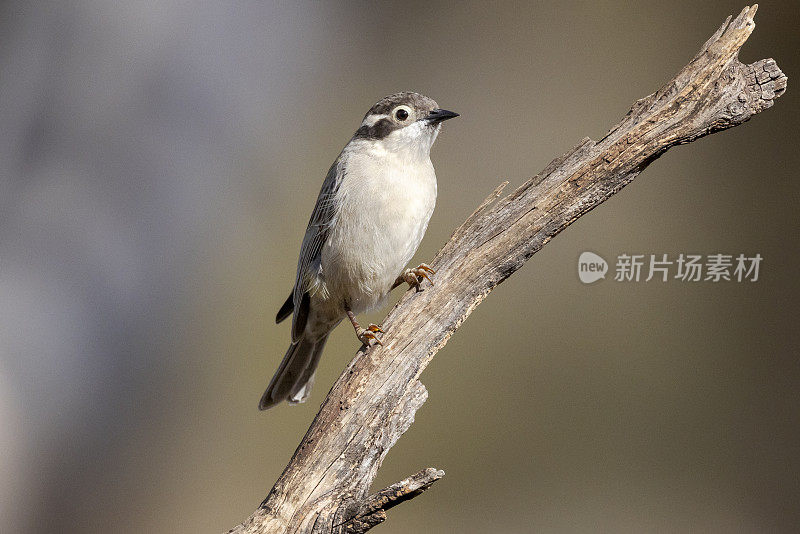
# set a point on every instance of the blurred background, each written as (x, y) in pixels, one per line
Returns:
(158, 163)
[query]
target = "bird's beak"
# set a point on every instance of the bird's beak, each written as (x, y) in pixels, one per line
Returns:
(439, 115)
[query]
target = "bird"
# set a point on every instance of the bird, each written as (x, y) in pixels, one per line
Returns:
(369, 218)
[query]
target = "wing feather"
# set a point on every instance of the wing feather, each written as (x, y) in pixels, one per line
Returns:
(322, 218)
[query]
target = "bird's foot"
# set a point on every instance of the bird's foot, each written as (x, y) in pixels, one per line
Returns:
(414, 277)
(366, 335)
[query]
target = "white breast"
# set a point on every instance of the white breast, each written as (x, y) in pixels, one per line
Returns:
(385, 203)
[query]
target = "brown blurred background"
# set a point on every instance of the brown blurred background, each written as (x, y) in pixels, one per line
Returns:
(158, 164)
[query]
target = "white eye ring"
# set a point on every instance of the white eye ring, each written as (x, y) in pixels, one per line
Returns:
(402, 113)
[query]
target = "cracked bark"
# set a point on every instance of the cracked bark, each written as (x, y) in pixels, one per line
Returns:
(325, 487)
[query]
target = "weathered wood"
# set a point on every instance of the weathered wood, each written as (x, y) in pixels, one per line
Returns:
(325, 487)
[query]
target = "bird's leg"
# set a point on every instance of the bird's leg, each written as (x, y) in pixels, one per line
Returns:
(364, 335)
(414, 277)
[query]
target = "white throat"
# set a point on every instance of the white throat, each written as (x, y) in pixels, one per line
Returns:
(414, 141)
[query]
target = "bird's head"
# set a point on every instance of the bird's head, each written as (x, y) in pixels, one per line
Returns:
(404, 121)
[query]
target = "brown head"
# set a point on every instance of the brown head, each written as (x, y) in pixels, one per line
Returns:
(413, 111)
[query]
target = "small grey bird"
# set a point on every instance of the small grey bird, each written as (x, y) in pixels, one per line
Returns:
(369, 219)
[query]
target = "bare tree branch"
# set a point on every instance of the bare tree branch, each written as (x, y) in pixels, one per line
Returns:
(325, 487)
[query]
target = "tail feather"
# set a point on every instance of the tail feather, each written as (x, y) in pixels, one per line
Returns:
(302, 389)
(295, 375)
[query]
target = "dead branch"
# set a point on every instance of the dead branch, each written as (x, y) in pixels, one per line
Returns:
(325, 487)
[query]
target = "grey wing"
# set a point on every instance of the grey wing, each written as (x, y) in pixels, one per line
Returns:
(308, 265)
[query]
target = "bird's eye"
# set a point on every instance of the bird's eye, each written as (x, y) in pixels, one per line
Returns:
(401, 114)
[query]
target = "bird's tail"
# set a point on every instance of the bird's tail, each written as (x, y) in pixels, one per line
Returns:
(295, 376)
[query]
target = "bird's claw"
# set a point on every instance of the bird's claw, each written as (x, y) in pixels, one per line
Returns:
(414, 277)
(365, 335)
